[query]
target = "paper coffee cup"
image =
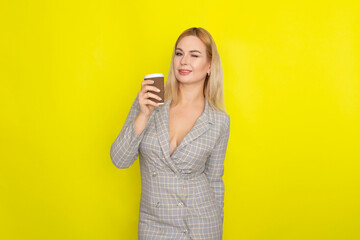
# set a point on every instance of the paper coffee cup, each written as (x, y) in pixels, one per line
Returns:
(158, 79)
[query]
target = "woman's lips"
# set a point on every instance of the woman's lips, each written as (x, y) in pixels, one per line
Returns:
(187, 72)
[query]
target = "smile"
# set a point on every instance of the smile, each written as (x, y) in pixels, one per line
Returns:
(184, 73)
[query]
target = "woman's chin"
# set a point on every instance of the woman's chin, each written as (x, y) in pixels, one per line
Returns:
(184, 78)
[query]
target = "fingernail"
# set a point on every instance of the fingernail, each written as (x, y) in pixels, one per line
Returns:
(152, 81)
(158, 90)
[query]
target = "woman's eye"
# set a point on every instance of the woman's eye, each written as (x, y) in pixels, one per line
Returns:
(179, 54)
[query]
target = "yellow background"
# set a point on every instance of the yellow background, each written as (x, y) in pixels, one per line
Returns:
(71, 69)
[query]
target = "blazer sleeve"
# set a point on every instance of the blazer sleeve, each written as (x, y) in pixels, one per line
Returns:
(124, 150)
(214, 167)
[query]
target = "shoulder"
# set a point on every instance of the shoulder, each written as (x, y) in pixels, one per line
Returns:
(221, 120)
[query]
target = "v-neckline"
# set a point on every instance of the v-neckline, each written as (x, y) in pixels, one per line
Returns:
(193, 127)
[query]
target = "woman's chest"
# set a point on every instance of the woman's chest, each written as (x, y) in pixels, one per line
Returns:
(199, 140)
(180, 124)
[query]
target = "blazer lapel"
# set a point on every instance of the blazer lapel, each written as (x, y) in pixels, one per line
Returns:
(162, 127)
(162, 131)
(201, 125)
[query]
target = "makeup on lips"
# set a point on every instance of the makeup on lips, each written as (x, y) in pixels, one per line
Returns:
(184, 71)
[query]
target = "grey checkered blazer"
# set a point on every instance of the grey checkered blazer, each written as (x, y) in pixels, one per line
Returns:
(182, 194)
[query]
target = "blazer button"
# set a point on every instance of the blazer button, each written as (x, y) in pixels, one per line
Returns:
(181, 204)
(185, 231)
(157, 204)
(154, 174)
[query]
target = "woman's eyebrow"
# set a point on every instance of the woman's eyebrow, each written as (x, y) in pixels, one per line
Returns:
(190, 50)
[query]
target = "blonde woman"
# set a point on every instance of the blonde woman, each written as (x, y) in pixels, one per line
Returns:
(181, 145)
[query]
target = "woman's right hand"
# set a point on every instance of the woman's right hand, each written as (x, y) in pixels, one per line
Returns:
(147, 105)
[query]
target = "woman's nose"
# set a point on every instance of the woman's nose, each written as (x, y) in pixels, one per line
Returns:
(184, 59)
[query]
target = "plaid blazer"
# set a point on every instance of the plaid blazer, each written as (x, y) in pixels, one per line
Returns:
(182, 194)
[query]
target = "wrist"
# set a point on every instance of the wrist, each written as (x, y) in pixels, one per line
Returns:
(143, 116)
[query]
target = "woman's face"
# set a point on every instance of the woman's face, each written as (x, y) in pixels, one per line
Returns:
(191, 63)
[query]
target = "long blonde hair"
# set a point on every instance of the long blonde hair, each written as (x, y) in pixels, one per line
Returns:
(213, 85)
